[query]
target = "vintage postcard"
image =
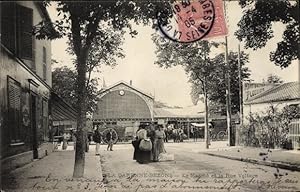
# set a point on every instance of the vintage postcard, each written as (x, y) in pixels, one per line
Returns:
(150, 96)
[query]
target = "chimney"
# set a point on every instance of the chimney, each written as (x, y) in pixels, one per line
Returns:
(130, 82)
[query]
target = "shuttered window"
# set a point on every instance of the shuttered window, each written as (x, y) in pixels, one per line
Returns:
(14, 103)
(24, 31)
(8, 25)
(16, 29)
(45, 120)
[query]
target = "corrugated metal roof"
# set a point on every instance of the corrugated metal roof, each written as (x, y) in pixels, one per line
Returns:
(162, 113)
(191, 111)
(283, 92)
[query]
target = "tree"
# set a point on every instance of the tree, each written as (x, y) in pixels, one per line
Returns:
(218, 84)
(270, 128)
(196, 62)
(207, 74)
(272, 78)
(83, 23)
(63, 83)
(255, 28)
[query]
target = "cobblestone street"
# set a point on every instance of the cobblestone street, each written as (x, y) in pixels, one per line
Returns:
(191, 171)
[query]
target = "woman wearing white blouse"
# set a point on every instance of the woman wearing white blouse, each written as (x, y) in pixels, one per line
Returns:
(139, 155)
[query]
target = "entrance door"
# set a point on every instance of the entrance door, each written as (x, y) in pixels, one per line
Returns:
(33, 126)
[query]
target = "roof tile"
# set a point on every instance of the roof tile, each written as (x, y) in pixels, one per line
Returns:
(283, 92)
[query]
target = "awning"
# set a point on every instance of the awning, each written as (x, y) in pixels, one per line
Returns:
(60, 110)
(201, 124)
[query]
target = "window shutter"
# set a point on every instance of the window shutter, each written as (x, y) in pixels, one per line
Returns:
(44, 63)
(24, 26)
(44, 72)
(14, 96)
(8, 25)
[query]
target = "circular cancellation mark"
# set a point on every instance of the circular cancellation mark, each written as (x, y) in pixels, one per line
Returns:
(188, 21)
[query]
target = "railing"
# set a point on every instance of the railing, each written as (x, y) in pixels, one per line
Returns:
(294, 133)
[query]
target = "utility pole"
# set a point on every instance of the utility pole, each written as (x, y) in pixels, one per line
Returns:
(206, 131)
(228, 98)
(241, 115)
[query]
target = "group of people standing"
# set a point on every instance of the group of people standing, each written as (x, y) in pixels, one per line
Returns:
(153, 135)
(110, 136)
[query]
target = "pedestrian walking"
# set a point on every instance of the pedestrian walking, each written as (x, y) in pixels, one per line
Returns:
(174, 133)
(141, 155)
(166, 134)
(151, 135)
(110, 137)
(97, 137)
(65, 141)
(180, 133)
(159, 143)
(196, 134)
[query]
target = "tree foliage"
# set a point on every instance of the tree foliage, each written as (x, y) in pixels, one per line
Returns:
(255, 28)
(272, 78)
(206, 73)
(196, 60)
(217, 83)
(269, 129)
(63, 83)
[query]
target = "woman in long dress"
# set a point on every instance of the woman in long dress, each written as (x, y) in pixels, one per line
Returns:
(158, 143)
(139, 155)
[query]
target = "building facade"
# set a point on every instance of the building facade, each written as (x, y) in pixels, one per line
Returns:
(25, 84)
(124, 107)
(277, 96)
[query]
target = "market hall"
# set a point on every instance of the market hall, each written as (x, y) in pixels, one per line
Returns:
(124, 107)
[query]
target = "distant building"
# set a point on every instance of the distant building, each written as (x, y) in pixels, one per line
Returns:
(278, 96)
(124, 107)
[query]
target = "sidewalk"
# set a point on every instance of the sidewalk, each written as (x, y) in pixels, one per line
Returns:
(285, 159)
(54, 173)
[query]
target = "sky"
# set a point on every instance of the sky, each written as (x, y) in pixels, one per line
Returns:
(171, 85)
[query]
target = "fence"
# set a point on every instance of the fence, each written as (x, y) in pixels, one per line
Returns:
(294, 133)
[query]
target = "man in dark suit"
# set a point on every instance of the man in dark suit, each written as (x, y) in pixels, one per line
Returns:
(110, 137)
(97, 137)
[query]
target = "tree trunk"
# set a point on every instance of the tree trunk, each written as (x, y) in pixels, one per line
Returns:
(206, 131)
(81, 115)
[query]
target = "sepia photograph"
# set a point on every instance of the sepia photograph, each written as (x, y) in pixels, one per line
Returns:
(150, 96)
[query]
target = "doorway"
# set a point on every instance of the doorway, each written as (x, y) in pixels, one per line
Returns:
(33, 126)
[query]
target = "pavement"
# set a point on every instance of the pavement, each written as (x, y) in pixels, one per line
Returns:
(110, 172)
(54, 173)
(285, 159)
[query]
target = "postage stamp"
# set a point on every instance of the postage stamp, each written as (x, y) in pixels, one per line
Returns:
(190, 21)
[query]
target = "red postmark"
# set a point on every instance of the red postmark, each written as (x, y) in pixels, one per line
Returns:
(194, 20)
